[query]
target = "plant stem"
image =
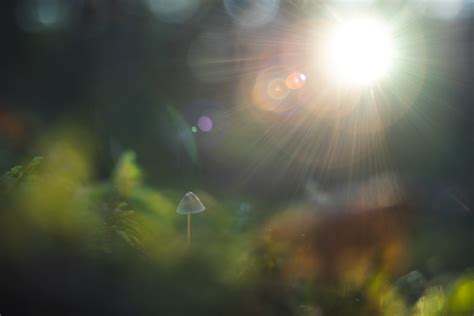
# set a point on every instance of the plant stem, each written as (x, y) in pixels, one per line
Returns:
(189, 230)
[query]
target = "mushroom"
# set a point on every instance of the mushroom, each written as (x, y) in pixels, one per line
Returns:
(190, 204)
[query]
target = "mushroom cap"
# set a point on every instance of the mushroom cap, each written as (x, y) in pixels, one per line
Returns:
(190, 204)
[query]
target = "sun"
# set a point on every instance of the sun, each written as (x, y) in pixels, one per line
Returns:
(359, 51)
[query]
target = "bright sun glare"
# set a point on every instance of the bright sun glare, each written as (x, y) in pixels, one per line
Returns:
(360, 51)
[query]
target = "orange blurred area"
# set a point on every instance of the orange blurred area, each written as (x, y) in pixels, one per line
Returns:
(295, 80)
(347, 248)
(12, 127)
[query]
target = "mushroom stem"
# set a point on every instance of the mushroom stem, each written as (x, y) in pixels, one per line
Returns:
(188, 205)
(189, 229)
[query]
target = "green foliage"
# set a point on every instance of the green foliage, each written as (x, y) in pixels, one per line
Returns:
(13, 176)
(126, 221)
(451, 299)
(432, 303)
(127, 175)
(461, 298)
(122, 222)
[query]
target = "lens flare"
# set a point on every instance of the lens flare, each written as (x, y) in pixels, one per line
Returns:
(277, 89)
(174, 11)
(205, 123)
(253, 13)
(359, 51)
(271, 92)
(295, 81)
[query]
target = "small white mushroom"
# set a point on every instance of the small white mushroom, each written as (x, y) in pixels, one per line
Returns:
(188, 205)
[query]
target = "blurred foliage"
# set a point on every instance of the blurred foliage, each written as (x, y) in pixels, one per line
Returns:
(432, 303)
(461, 299)
(17, 173)
(127, 174)
(456, 298)
(126, 234)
